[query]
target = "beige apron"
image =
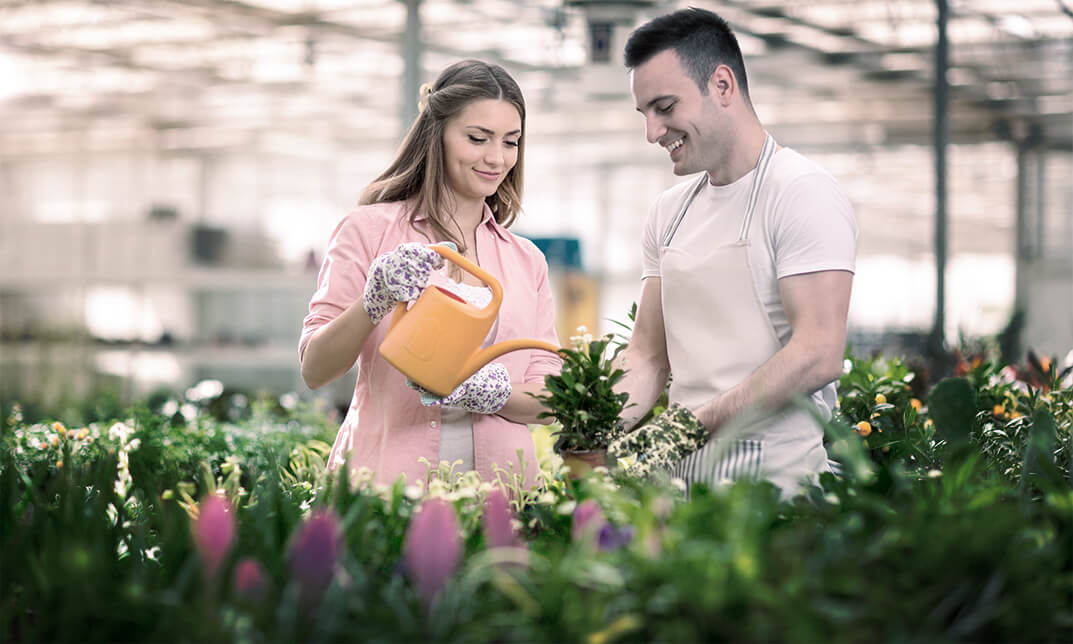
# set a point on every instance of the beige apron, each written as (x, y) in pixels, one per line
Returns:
(718, 333)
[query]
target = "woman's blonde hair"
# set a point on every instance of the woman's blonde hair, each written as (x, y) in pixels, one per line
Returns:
(417, 173)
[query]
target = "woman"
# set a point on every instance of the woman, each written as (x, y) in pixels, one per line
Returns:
(456, 178)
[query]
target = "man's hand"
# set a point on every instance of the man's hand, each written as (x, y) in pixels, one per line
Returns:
(398, 276)
(664, 441)
(485, 392)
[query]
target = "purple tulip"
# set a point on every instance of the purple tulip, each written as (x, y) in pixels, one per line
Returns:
(498, 531)
(433, 547)
(613, 538)
(314, 552)
(588, 521)
(214, 532)
(251, 581)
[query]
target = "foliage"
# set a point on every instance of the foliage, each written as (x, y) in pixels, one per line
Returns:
(947, 535)
(581, 398)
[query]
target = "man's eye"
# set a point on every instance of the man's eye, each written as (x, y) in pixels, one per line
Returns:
(665, 109)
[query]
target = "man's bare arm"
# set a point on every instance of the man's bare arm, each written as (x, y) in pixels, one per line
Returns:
(645, 357)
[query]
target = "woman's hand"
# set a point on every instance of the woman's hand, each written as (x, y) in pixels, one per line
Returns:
(398, 276)
(485, 392)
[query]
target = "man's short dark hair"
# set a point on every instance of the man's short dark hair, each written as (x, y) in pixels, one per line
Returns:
(703, 40)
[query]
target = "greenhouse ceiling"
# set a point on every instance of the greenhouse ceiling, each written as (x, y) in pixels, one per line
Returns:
(203, 73)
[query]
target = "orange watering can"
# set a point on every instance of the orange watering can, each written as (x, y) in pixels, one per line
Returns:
(437, 342)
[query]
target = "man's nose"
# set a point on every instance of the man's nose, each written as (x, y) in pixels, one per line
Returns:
(654, 129)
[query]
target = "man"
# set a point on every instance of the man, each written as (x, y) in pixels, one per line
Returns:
(747, 272)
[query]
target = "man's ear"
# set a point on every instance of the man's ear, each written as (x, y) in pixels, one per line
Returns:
(722, 85)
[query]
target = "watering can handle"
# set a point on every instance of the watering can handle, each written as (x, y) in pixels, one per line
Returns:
(450, 254)
(456, 258)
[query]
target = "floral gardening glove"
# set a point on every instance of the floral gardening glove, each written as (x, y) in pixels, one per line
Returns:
(662, 442)
(485, 392)
(398, 276)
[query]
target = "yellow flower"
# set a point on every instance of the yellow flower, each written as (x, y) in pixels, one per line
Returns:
(82, 433)
(915, 404)
(59, 464)
(864, 428)
(928, 424)
(999, 411)
(880, 399)
(55, 440)
(59, 428)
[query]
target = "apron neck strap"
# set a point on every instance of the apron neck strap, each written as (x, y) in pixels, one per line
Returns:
(762, 164)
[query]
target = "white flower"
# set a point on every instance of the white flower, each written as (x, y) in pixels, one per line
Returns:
(188, 411)
(205, 389)
(120, 433)
(934, 474)
(567, 507)
(170, 407)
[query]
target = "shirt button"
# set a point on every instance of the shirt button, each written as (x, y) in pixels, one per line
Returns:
(433, 424)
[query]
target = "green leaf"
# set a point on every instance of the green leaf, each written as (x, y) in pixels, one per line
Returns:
(952, 404)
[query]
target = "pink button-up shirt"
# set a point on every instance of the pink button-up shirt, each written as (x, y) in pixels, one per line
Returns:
(387, 428)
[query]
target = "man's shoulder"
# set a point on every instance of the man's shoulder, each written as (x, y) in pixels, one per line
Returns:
(789, 166)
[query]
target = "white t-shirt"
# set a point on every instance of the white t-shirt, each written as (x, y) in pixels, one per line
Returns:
(803, 222)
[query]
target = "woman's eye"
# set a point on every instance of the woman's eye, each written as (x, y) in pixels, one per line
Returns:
(476, 139)
(512, 144)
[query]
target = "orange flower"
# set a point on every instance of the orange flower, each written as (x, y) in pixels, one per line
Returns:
(864, 428)
(999, 411)
(880, 399)
(915, 404)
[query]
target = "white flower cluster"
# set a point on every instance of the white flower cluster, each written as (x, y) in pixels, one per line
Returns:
(582, 339)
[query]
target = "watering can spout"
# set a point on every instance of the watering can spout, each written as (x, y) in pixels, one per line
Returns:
(488, 354)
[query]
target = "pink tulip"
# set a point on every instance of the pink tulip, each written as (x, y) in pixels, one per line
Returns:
(214, 532)
(433, 547)
(498, 531)
(314, 552)
(251, 581)
(588, 521)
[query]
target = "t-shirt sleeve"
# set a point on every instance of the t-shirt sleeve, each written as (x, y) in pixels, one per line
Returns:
(650, 242)
(815, 228)
(342, 276)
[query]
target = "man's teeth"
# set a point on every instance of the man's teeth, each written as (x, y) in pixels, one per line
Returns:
(676, 144)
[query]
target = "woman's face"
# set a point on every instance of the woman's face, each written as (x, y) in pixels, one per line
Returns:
(480, 146)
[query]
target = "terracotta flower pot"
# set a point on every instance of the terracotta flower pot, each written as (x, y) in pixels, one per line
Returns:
(583, 462)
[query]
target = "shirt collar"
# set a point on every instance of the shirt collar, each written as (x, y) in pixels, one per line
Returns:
(488, 220)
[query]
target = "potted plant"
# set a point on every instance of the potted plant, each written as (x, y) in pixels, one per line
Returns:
(581, 399)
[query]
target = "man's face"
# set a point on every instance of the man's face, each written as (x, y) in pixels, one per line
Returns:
(678, 116)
